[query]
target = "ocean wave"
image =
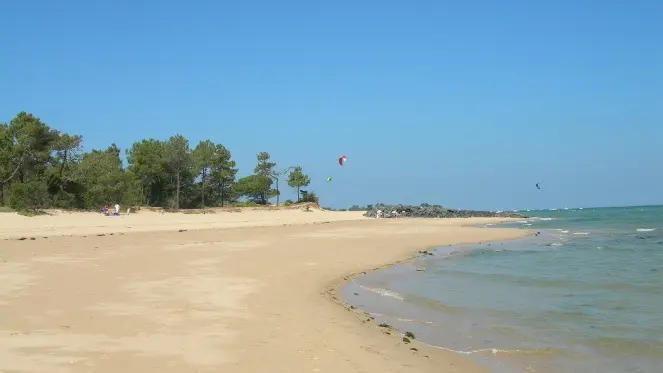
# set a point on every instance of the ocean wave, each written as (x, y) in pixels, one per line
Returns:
(501, 250)
(383, 292)
(581, 233)
(505, 351)
(646, 229)
(401, 319)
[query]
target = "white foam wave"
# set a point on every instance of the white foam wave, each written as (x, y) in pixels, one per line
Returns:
(415, 321)
(494, 351)
(383, 292)
(557, 244)
(581, 233)
(564, 231)
(646, 229)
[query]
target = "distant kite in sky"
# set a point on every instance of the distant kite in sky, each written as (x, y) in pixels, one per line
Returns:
(329, 179)
(537, 186)
(342, 160)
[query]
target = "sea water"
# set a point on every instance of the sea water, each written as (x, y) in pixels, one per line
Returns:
(585, 294)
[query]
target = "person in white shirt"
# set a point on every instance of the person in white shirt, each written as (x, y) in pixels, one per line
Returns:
(117, 209)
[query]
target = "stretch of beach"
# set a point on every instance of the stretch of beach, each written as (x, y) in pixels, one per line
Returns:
(244, 291)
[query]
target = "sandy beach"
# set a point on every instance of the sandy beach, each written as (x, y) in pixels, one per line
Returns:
(245, 291)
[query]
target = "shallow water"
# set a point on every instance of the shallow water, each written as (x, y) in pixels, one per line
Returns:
(585, 295)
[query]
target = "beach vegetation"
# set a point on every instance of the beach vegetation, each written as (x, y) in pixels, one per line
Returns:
(42, 167)
(29, 196)
(254, 187)
(262, 180)
(203, 156)
(309, 197)
(298, 179)
(244, 204)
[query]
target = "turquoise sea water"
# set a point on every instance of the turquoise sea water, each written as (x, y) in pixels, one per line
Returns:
(584, 295)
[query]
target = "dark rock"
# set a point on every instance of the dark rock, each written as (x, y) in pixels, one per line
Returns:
(433, 211)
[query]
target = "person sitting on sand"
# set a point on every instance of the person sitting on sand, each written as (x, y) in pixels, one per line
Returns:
(104, 210)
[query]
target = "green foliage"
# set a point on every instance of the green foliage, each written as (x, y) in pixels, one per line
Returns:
(29, 196)
(41, 167)
(103, 179)
(254, 187)
(146, 162)
(177, 157)
(264, 167)
(298, 179)
(222, 175)
(309, 197)
(203, 156)
(261, 182)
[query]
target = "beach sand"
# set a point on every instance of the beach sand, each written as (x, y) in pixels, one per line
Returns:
(62, 223)
(250, 291)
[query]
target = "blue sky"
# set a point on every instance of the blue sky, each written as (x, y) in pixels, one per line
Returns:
(466, 104)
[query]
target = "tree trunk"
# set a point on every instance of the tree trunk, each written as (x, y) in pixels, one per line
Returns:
(277, 191)
(298, 193)
(177, 192)
(203, 188)
(222, 190)
(64, 162)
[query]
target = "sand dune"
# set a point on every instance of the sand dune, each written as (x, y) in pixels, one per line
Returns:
(85, 223)
(240, 298)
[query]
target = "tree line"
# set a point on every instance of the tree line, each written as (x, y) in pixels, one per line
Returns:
(42, 167)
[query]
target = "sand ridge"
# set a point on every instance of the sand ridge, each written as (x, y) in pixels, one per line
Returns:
(255, 299)
(63, 223)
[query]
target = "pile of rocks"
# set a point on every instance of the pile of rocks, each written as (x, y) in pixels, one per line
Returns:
(432, 211)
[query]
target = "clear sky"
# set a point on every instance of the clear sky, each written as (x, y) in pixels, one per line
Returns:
(466, 103)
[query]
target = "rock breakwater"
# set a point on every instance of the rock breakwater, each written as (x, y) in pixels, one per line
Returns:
(433, 211)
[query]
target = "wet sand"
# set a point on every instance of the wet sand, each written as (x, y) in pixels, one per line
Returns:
(235, 298)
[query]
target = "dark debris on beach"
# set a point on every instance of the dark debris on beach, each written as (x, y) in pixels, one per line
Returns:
(432, 211)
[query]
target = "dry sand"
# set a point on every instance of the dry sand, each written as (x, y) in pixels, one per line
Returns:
(238, 298)
(62, 223)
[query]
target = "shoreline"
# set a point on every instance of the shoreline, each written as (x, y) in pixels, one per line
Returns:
(493, 305)
(423, 255)
(249, 298)
(423, 349)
